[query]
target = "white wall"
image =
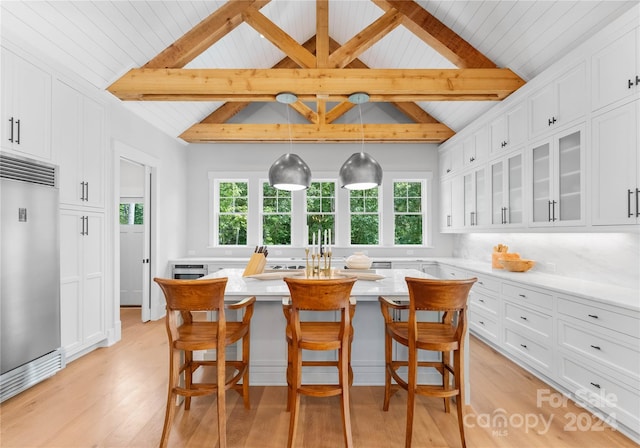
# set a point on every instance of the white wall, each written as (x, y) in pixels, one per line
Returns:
(203, 158)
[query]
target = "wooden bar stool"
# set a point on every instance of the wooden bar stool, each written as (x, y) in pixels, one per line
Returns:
(319, 295)
(448, 335)
(188, 296)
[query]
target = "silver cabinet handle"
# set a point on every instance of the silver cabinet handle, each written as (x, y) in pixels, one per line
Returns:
(629, 193)
(18, 137)
(11, 135)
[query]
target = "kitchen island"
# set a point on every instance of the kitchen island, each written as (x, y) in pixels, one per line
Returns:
(268, 345)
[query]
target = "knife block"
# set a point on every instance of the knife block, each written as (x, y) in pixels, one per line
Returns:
(255, 265)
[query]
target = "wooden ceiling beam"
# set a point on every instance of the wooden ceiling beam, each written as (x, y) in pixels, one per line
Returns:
(365, 39)
(399, 133)
(279, 38)
(206, 33)
(436, 34)
(264, 84)
(322, 33)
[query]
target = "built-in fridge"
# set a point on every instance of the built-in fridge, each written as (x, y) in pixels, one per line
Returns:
(29, 274)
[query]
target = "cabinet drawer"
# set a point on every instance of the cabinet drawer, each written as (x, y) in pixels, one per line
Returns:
(484, 325)
(487, 283)
(599, 347)
(452, 273)
(598, 390)
(527, 297)
(487, 302)
(538, 323)
(627, 323)
(538, 354)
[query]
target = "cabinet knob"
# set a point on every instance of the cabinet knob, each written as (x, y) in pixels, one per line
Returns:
(637, 79)
(523, 345)
(551, 120)
(472, 159)
(630, 83)
(448, 170)
(523, 318)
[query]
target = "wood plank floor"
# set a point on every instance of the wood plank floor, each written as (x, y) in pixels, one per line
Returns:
(115, 397)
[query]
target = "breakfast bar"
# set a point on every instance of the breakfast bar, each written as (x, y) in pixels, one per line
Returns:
(268, 346)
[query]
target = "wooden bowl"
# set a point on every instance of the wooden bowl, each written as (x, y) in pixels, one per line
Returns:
(517, 265)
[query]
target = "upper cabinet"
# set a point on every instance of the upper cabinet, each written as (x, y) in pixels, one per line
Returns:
(476, 206)
(615, 165)
(507, 198)
(450, 160)
(26, 107)
(557, 179)
(615, 70)
(78, 141)
(560, 102)
(509, 129)
(475, 148)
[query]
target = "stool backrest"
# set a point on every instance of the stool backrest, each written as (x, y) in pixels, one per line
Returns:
(438, 295)
(193, 295)
(320, 294)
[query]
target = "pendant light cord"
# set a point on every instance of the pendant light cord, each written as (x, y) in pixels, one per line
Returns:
(361, 126)
(289, 123)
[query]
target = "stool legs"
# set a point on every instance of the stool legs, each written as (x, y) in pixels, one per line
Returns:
(294, 399)
(458, 357)
(174, 375)
(344, 367)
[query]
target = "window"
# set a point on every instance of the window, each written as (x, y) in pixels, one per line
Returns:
(408, 212)
(131, 213)
(276, 216)
(232, 212)
(365, 216)
(321, 208)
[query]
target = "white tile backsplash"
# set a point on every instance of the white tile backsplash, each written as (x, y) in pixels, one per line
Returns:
(603, 257)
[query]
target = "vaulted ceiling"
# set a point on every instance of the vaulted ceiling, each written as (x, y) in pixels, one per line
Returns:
(192, 68)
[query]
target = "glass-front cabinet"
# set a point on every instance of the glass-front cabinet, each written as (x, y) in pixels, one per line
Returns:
(507, 206)
(557, 176)
(476, 207)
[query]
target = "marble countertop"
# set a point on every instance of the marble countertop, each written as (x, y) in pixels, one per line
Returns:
(602, 292)
(393, 284)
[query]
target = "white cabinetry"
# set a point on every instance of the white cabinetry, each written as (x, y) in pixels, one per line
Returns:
(560, 102)
(557, 179)
(615, 70)
(82, 307)
(476, 205)
(450, 160)
(78, 141)
(510, 129)
(26, 107)
(484, 308)
(528, 326)
(599, 356)
(615, 171)
(507, 198)
(475, 148)
(451, 203)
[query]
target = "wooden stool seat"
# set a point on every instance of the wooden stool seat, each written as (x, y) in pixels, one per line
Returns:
(448, 297)
(184, 298)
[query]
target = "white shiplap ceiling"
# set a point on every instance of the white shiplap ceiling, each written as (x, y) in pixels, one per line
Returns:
(101, 40)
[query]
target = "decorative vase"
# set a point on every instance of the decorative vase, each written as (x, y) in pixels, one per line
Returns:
(358, 261)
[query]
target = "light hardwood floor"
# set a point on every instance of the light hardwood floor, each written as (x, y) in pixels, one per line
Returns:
(115, 397)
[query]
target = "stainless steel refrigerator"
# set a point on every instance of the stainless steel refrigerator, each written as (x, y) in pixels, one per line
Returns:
(29, 274)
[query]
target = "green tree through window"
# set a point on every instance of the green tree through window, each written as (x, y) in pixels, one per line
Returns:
(276, 216)
(365, 216)
(407, 208)
(321, 208)
(233, 207)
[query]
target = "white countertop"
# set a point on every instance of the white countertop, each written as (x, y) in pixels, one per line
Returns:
(393, 284)
(602, 292)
